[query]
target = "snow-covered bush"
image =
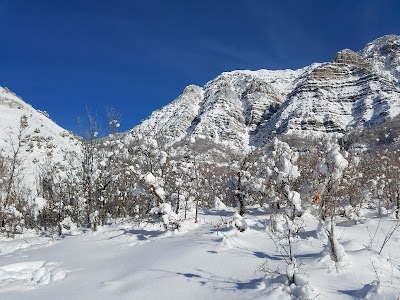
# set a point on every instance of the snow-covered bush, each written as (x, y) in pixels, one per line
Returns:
(218, 204)
(280, 169)
(169, 218)
(333, 248)
(327, 181)
(12, 219)
(68, 226)
(239, 222)
(248, 183)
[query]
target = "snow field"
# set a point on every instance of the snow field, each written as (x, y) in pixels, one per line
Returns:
(212, 259)
(29, 274)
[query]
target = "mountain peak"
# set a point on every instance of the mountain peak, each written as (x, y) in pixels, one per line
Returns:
(245, 107)
(347, 56)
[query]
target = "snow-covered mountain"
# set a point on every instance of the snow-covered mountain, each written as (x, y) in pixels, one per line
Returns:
(247, 107)
(31, 136)
(155, 222)
(241, 108)
(384, 55)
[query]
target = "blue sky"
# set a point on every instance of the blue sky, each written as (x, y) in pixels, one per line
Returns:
(137, 56)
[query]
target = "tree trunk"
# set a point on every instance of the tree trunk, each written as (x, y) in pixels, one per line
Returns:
(240, 196)
(177, 203)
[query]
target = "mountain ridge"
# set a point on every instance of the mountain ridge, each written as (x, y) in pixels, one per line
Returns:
(243, 107)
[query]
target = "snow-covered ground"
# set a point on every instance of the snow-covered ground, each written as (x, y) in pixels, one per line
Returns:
(208, 260)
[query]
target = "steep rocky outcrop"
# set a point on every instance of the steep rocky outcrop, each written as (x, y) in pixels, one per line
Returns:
(228, 109)
(172, 121)
(349, 57)
(384, 54)
(334, 98)
(247, 107)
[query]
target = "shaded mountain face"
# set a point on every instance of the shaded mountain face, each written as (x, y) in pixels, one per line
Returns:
(243, 108)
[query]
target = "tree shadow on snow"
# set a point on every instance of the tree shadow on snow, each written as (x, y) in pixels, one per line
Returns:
(213, 281)
(360, 293)
(282, 257)
(307, 234)
(141, 234)
(222, 283)
(219, 212)
(267, 256)
(253, 211)
(229, 211)
(224, 228)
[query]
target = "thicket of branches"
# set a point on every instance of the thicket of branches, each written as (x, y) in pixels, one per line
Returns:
(137, 177)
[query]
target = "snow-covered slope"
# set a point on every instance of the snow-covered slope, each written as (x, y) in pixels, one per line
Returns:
(239, 108)
(32, 134)
(337, 96)
(229, 108)
(174, 119)
(384, 54)
(202, 261)
(236, 103)
(246, 107)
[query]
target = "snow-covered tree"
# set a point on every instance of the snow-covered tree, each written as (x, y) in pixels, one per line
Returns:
(331, 189)
(280, 170)
(13, 195)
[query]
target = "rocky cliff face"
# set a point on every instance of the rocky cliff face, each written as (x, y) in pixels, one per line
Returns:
(384, 55)
(173, 120)
(246, 107)
(336, 97)
(228, 109)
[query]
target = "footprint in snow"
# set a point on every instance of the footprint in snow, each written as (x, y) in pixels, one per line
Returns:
(29, 274)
